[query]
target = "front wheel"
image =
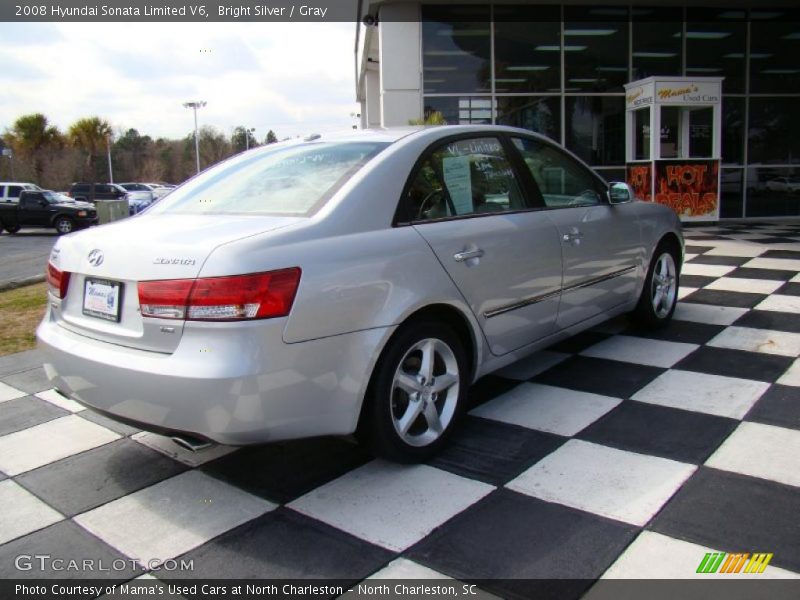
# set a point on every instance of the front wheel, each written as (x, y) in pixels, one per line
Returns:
(416, 393)
(64, 225)
(660, 292)
(12, 228)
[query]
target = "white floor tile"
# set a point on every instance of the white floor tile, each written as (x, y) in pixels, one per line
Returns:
(547, 408)
(393, 506)
(699, 392)
(758, 340)
(645, 559)
(530, 366)
(795, 279)
(684, 291)
(763, 451)
(22, 512)
(703, 313)
(613, 483)
(172, 517)
(751, 286)
(402, 568)
(740, 250)
(9, 393)
(53, 397)
(166, 446)
(49, 442)
(792, 375)
(706, 270)
(689, 256)
(780, 303)
(785, 264)
(640, 351)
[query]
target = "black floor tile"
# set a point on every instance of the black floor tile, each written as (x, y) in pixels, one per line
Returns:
(680, 435)
(679, 331)
(28, 411)
(64, 541)
(281, 472)
(115, 426)
(31, 381)
(731, 261)
(696, 281)
(751, 273)
(791, 254)
(527, 547)
(722, 298)
(780, 406)
(286, 545)
(21, 361)
(87, 480)
(690, 249)
(778, 240)
(736, 513)
(770, 319)
(789, 289)
(494, 452)
(704, 238)
(600, 376)
(736, 363)
(579, 343)
(487, 388)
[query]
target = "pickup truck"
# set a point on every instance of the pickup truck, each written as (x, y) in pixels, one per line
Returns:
(43, 208)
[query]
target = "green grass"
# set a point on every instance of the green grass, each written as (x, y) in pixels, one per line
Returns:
(21, 310)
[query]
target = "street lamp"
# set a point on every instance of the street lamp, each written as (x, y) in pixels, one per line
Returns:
(247, 133)
(108, 150)
(195, 105)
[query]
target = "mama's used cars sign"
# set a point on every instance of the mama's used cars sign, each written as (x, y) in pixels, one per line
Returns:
(697, 92)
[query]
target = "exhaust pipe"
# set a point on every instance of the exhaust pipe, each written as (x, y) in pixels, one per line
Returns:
(190, 443)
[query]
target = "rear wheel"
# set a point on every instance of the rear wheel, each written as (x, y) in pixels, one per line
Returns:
(660, 293)
(416, 394)
(64, 225)
(12, 228)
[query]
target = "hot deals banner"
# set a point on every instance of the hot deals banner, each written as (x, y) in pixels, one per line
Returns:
(689, 187)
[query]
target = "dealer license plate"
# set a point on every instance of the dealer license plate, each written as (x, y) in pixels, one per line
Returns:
(101, 298)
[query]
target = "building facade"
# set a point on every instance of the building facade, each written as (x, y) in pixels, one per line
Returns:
(559, 69)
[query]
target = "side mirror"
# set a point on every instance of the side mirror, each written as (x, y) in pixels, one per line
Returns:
(620, 193)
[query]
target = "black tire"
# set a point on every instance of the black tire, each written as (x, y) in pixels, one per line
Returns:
(646, 314)
(12, 228)
(64, 225)
(386, 403)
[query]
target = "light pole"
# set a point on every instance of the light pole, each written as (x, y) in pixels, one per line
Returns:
(108, 150)
(247, 133)
(195, 105)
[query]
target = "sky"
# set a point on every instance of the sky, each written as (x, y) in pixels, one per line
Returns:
(293, 78)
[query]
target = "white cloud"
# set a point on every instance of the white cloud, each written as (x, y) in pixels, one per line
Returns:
(293, 78)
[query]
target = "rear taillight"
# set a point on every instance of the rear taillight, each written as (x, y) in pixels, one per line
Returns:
(236, 298)
(58, 281)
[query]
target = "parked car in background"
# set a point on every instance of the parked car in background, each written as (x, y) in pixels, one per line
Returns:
(44, 208)
(155, 190)
(10, 190)
(138, 201)
(102, 191)
(784, 184)
(349, 283)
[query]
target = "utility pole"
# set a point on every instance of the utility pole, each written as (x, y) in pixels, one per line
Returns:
(195, 105)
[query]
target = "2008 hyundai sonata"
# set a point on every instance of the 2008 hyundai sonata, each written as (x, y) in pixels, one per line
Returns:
(351, 283)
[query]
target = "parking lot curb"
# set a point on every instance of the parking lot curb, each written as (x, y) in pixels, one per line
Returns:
(18, 283)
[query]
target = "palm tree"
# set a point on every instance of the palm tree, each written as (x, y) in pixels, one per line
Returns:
(30, 137)
(90, 135)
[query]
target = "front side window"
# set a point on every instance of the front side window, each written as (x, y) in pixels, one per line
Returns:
(462, 178)
(289, 180)
(14, 191)
(563, 181)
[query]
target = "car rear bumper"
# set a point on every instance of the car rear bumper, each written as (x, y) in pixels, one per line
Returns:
(233, 388)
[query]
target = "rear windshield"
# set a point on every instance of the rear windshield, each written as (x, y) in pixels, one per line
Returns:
(292, 180)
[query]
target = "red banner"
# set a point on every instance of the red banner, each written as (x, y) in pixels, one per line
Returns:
(689, 187)
(639, 178)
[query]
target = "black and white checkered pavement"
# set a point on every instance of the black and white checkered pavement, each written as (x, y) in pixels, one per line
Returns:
(618, 453)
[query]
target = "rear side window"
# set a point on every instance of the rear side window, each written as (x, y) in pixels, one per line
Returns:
(14, 191)
(463, 178)
(562, 180)
(291, 180)
(2, 191)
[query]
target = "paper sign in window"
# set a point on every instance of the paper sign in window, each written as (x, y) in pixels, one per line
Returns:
(458, 180)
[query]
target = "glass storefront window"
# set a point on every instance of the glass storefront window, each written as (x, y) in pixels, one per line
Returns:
(464, 110)
(715, 46)
(539, 114)
(732, 130)
(773, 192)
(657, 41)
(456, 49)
(611, 175)
(597, 37)
(700, 125)
(595, 128)
(730, 193)
(641, 137)
(774, 52)
(774, 135)
(671, 138)
(527, 49)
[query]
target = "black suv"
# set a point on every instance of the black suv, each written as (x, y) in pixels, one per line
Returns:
(102, 191)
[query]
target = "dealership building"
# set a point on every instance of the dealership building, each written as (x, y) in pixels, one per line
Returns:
(562, 70)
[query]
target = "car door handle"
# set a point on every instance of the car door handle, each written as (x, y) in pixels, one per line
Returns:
(466, 255)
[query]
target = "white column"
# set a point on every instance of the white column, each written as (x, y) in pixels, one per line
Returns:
(371, 113)
(400, 46)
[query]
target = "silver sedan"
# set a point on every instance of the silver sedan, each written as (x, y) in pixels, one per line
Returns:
(351, 283)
